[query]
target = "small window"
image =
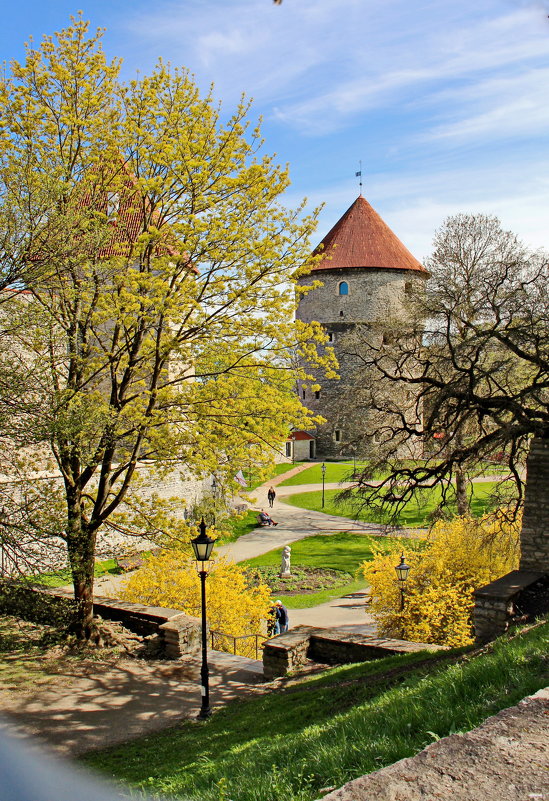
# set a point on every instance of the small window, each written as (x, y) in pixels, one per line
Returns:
(341, 314)
(337, 435)
(288, 450)
(343, 288)
(317, 395)
(331, 337)
(408, 288)
(303, 394)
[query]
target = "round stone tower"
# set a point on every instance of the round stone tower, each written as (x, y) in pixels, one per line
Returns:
(366, 275)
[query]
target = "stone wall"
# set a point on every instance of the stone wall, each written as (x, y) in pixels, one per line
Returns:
(499, 603)
(51, 553)
(288, 652)
(534, 538)
(50, 607)
(180, 633)
(373, 295)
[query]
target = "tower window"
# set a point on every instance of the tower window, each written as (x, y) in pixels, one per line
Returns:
(341, 314)
(303, 394)
(317, 394)
(331, 337)
(408, 288)
(343, 288)
(337, 435)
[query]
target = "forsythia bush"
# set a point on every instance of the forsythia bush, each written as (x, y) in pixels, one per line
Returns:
(459, 556)
(233, 606)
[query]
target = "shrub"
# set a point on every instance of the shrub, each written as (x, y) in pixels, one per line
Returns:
(460, 556)
(234, 606)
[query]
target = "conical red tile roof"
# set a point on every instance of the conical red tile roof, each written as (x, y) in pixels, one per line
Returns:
(362, 239)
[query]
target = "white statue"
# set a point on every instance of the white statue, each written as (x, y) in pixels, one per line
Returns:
(285, 566)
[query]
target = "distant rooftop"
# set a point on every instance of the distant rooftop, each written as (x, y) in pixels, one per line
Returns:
(361, 239)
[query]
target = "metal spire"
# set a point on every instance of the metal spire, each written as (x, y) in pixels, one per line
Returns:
(359, 175)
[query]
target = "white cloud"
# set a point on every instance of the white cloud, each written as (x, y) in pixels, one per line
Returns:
(446, 98)
(496, 107)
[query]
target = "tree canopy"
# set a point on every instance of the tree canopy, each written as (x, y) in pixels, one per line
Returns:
(473, 362)
(158, 265)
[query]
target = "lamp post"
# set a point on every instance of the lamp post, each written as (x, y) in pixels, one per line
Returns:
(402, 575)
(323, 468)
(202, 547)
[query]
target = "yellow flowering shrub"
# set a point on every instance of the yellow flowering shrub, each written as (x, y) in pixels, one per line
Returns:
(233, 606)
(458, 557)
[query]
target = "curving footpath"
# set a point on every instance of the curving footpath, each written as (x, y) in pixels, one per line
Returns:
(295, 524)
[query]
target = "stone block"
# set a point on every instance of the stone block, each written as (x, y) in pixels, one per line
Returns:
(181, 635)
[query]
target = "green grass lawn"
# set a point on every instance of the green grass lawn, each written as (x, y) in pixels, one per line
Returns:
(238, 526)
(335, 471)
(62, 577)
(343, 471)
(415, 514)
(340, 551)
(254, 478)
(323, 732)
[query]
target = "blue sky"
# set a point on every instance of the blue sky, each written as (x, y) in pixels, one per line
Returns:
(445, 103)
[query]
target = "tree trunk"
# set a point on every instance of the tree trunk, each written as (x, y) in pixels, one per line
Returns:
(81, 552)
(462, 492)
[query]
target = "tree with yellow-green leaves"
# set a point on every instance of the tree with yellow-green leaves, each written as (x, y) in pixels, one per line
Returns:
(158, 325)
(235, 607)
(458, 557)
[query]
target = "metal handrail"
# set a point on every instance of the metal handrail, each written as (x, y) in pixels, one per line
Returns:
(234, 638)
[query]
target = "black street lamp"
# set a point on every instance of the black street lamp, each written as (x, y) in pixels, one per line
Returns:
(323, 468)
(202, 547)
(402, 575)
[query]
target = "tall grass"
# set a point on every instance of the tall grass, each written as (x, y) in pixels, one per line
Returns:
(290, 744)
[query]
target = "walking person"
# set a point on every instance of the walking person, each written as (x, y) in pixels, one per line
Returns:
(271, 495)
(282, 617)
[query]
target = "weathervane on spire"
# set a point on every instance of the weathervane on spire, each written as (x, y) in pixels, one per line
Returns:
(359, 175)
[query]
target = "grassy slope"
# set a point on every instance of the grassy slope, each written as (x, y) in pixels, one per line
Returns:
(415, 513)
(341, 551)
(290, 743)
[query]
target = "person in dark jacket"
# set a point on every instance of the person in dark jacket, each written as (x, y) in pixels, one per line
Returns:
(271, 495)
(282, 617)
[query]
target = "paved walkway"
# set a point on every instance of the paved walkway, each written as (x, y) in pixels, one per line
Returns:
(104, 705)
(101, 705)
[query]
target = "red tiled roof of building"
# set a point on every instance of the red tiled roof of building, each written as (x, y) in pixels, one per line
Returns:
(361, 239)
(299, 435)
(126, 209)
